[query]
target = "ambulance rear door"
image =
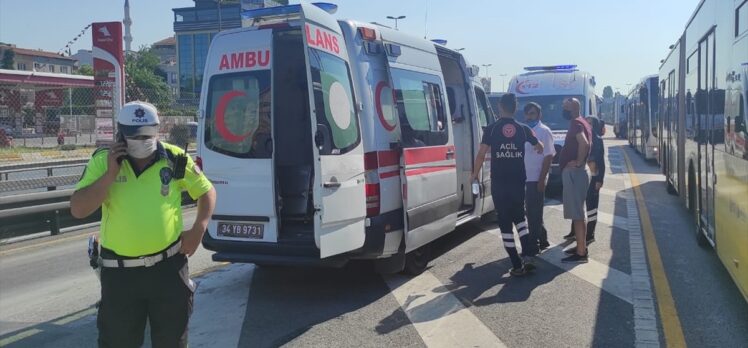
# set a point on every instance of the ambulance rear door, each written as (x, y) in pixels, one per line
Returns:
(339, 186)
(235, 139)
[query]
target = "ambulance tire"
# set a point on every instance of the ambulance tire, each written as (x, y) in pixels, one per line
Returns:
(417, 260)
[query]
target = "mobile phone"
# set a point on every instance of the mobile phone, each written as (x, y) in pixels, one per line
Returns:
(120, 138)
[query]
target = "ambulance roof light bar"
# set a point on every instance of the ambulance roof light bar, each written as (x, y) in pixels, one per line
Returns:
(551, 68)
(285, 11)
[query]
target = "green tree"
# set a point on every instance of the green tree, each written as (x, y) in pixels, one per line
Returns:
(9, 59)
(145, 81)
(608, 92)
(85, 69)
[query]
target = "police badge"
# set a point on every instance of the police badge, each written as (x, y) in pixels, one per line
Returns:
(166, 175)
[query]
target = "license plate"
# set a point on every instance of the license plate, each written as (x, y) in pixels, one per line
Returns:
(241, 230)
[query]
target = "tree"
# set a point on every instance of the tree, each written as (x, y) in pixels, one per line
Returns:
(9, 59)
(607, 92)
(85, 69)
(144, 80)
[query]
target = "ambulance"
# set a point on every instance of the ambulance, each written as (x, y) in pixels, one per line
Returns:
(331, 140)
(549, 86)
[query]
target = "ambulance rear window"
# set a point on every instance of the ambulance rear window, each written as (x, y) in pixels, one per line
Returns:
(334, 103)
(237, 118)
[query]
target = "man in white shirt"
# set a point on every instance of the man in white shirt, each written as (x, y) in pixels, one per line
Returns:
(537, 167)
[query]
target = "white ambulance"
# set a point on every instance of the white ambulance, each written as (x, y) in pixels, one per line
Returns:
(549, 86)
(333, 140)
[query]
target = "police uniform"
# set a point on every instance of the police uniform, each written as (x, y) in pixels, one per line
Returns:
(144, 277)
(507, 139)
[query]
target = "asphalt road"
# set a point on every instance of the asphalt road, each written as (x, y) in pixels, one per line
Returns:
(466, 298)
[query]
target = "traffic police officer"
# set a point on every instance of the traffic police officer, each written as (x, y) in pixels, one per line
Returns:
(138, 184)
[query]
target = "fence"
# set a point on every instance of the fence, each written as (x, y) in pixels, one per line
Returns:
(43, 124)
(40, 128)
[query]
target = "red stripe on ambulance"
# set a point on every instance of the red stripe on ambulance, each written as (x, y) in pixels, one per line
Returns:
(427, 154)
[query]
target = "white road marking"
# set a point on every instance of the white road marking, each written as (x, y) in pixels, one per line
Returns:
(222, 294)
(439, 317)
(602, 276)
(608, 279)
(602, 217)
(608, 192)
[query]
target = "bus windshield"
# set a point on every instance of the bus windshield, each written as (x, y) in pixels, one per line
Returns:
(551, 106)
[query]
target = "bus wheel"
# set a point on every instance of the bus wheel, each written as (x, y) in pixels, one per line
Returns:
(417, 260)
(670, 188)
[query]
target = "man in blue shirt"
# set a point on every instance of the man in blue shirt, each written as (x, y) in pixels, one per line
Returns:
(505, 139)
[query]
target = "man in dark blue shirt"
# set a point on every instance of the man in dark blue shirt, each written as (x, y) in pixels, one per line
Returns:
(505, 139)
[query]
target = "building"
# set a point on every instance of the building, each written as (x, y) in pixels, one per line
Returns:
(195, 27)
(84, 57)
(40, 61)
(166, 50)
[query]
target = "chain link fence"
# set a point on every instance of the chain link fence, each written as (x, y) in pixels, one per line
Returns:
(51, 132)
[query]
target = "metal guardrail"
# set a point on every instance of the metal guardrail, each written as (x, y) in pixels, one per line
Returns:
(42, 165)
(29, 205)
(51, 182)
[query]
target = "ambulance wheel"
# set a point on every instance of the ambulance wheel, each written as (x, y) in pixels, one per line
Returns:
(417, 260)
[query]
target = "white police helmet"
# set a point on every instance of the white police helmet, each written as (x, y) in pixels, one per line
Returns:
(138, 118)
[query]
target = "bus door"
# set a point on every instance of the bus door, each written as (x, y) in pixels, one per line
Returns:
(706, 135)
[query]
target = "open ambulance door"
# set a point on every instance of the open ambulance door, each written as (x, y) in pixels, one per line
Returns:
(338, 185)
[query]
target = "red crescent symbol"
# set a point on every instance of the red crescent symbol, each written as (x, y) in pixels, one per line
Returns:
(220, 115)
(378, 102)
(521, 87)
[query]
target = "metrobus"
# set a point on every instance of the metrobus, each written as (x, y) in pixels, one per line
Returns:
(704, 86)
(641, 108)
(549, 86)
(620, 121)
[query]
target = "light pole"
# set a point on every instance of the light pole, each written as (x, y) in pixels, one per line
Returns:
(503, 89)
(218, 3)
(396, 19)
(486, 66)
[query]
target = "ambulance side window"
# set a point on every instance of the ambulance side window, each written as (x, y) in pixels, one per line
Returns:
(484, 113)
(335, 106)
(237, 119)
(421, 108)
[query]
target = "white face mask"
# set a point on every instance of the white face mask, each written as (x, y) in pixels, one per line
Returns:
(141, 148)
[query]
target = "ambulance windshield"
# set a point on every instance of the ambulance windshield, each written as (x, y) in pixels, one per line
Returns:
(551, 106)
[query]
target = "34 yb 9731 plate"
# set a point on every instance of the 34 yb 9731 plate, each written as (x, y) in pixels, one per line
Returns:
(241, 230)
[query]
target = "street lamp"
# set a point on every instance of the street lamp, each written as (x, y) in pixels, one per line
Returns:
(218, 3)
(396, 19)
(502, 82)
(486, 66)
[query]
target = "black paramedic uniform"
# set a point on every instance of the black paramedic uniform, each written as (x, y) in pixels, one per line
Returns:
(507, 139)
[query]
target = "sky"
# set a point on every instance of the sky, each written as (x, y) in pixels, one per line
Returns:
(618, 41)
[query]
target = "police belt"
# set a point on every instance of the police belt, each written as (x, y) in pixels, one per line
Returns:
(143, 261)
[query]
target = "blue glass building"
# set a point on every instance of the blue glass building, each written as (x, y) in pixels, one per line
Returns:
(195, 27)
